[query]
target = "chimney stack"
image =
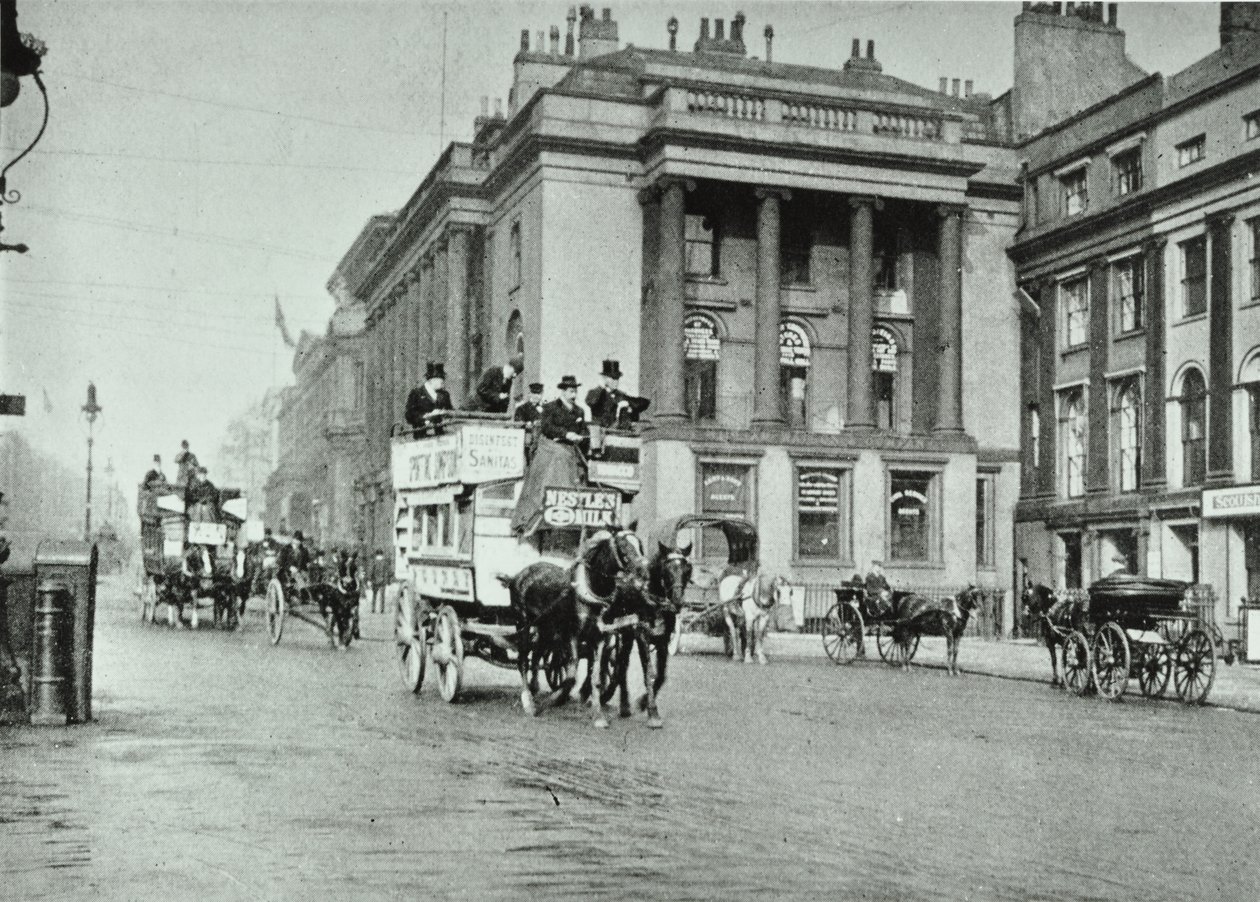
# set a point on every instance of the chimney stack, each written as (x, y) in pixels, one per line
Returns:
(607, 14)
(524, 40)
(498, 108)
(737, 27)
(555, 40)
(719, 30)
(1238, 20)
(568, 40)
(967, 88)
(485, 106)
(769, 33)
(956, 86)
(944, 89)
(672, 27)
(870, 50)
(541, 47)
(857, 49)
(704, 29)
(1111, 14)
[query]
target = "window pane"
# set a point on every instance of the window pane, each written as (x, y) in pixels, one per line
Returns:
(984, 521)
(701, 246)
(909, 516)
(1076, 303)
(1194, 277)
(1128, 172)
(818, 510)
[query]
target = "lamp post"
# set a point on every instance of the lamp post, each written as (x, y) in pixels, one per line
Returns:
(20, 55)
(90, 410)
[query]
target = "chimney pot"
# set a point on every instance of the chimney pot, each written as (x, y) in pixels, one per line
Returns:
(498, 108)
(956, 86)
(719, 30)
(1111, 13)
(485, 105)
(1069, 8)
(769, 33)
(944, 86)
(607, 14)
(857, 48)
(737, 27)
(672, 27)
(1098, 12)
(555, 40)
(870, 50)
(524, 40)
(967, 88)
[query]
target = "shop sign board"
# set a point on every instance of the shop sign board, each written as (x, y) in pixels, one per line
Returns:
(474, 453)
(1234, 501)
(599, 508)
(818, 491)
(426, 462)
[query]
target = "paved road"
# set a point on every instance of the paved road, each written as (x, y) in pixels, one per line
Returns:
(223, 768)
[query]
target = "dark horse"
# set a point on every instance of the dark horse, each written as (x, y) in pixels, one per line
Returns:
(920, 616)
(554, 615)
(669, 573)
(1058, 617)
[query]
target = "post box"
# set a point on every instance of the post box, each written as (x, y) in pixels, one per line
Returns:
(72, 567)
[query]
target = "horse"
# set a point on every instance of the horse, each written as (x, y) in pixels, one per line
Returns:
(920, 616)
(1058, 616)
(669, 573)
(747, 600)
(573, 611)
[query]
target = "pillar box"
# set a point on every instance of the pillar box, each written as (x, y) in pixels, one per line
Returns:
(65, 576)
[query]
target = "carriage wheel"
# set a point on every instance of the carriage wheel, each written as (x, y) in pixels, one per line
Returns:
(885, 644)
(1154, 669)
(412, 642)
(554, 668)
(275, 610)
(1110, 661)
(1194, 667)
(842, 633)
(448, 653)
(1077, 677)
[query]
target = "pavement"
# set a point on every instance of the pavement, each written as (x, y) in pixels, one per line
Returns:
(1236, 686)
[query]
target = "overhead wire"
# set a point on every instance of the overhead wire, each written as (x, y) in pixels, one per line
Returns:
(170, 320)
(155, 305)
(200, 161)
(40, 308)
(174, 289)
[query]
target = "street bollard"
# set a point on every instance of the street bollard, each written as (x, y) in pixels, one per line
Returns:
(50, 656)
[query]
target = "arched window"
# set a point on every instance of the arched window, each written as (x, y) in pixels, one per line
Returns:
(1073, 439)
(515, 339)
(1193, 428)
(702, 348)
(794, 361)
(884, 376)
(1126, 425)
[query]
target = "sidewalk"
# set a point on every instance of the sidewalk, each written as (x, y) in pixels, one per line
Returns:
(1236, 687)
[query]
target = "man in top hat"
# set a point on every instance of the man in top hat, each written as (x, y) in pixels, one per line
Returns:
(494, 389)
(611, 407)
(426, 402)
(200, 490)
(155, 477)
(562, 420)
(295, 561)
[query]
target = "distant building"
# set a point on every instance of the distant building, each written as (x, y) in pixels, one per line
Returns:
(803, 267)
(1139, 261)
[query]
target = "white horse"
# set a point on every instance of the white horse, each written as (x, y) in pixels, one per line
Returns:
(748, 598)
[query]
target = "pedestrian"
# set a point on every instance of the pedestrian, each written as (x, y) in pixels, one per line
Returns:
(426, 403)
(379, 576)
(494, 388)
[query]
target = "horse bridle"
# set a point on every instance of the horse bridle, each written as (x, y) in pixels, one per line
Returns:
(672, 556)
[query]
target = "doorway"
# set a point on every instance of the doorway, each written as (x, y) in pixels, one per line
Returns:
(1251, 545)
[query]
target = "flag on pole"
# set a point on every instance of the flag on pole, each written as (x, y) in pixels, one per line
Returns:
(280, 324)
(48, 408)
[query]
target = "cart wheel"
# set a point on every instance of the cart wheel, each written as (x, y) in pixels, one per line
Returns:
(842, 633)
(1076, 673)
(554, 667)
(884, 643)
(275, 610)
(448, 653)
(1194, 667)
(412, 642)
(1154, 669)
(1109, 663)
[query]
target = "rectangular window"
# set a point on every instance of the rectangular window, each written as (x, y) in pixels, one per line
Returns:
(700, 385)
(1252, 123)
(1126, 294)
(702, 246)
(795, 244)
(885, 263)
(1126, 171)
(725, 490)
(515, 241)
(912, 512)
(1193, 276)
(434, 527)
(821, 505)
(1253, 409)
(985, 485)
(1074, 442)
(1075, 191)
(1191, 151)
(1075, 297)
(1255, 259)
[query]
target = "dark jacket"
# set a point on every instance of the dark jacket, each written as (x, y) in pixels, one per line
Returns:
(294, 555)
(606, 409)
(527, 412)
(494, 392)
(420, 403)
(380, 572)
(876, 583)
(558, 421)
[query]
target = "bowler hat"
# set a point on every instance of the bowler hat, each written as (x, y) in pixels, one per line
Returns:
(567, 382)
(517, 363)
(535, 388)
(612, 369)
(435, 371)
(297, 535)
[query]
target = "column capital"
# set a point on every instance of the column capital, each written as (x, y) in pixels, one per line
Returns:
(865, 200)
(652, 193)
(764, 191)
(1220, 219)
(1155, 244)
(947, 210)
(460, 228)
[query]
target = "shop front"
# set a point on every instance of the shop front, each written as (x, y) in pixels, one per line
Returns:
(1230, 545)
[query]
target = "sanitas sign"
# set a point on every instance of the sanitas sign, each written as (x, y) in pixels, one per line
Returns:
(581, 507)
(472, 454)
(1237, 501)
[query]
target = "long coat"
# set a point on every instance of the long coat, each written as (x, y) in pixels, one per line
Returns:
(420, 402)
(558, 421)
(494, 392)
(606, 409)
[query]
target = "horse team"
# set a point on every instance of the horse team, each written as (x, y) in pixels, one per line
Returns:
(615, 600)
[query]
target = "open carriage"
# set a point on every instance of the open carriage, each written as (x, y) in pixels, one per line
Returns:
(855, 616)
(326, 605)
(1139, 628)
(459, 492)
(713, 604)
(169, 530)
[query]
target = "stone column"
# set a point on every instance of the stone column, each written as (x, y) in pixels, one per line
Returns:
(457, 376)
(949, 378)
(1154, 406)
(1097, 475)
(861, 310)
(767, 404)
(670, 277)
(1220, 434)
(1047, 408)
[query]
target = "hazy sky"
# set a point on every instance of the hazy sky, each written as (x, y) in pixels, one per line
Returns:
(202, 158)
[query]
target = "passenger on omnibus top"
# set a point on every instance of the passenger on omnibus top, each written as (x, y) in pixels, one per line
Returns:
(494, 388)
(426, 403)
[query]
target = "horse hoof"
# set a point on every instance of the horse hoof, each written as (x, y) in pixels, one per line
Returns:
(625, 712)
(748, 659)
(655, 723)
(601, 724)
(527, 702)
(642, 703)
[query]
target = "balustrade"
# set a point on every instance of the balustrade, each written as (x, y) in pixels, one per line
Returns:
(924, 128)
(815, 115)
(732, 106)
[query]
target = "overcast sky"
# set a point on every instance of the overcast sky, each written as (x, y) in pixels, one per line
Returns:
(203, 158)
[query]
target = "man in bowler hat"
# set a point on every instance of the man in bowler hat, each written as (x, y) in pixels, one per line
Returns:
(562, 419)
(611, 407)
(426, 402)
(494, 388)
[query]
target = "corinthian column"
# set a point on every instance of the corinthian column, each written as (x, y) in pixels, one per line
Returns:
(949, 380)
(861, 310)
(670, 274)
(767, 405)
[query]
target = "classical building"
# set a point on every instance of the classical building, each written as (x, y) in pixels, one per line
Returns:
(803, 267)
(1139, 262)
(320, 432)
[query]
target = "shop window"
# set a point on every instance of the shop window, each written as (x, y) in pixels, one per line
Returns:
(1127, 294)
(1126, 427)
(1073, 439)
(1126, 171)
(702, 245)
(1193, 428)
(985, 488)
(884, 378)
(702, 348)
(794, 363)
(912, 510)
(1193, 276)
(821, 513)
(1074, 295)
(725, 490)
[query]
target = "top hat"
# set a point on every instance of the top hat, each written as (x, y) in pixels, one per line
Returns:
(612, 369)
(435, 371)
(267, 531)
(157, 458)
(535, 388)
(517, 362)
(297, 535)
(567, 382)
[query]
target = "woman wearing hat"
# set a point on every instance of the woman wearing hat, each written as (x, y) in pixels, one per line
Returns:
(494, 388)
(429, 399)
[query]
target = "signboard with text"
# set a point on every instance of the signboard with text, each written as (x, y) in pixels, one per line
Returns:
(470, 453)
(598, 508)
(1234, 501)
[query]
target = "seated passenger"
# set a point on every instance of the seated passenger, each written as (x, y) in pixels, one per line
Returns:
(201, 491)
(878, 592)
(562, 420)
(427, 403)
(610, 407)
(294, 562)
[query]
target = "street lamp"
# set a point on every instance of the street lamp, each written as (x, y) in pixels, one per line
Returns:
(90, 410)
(20, 55)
